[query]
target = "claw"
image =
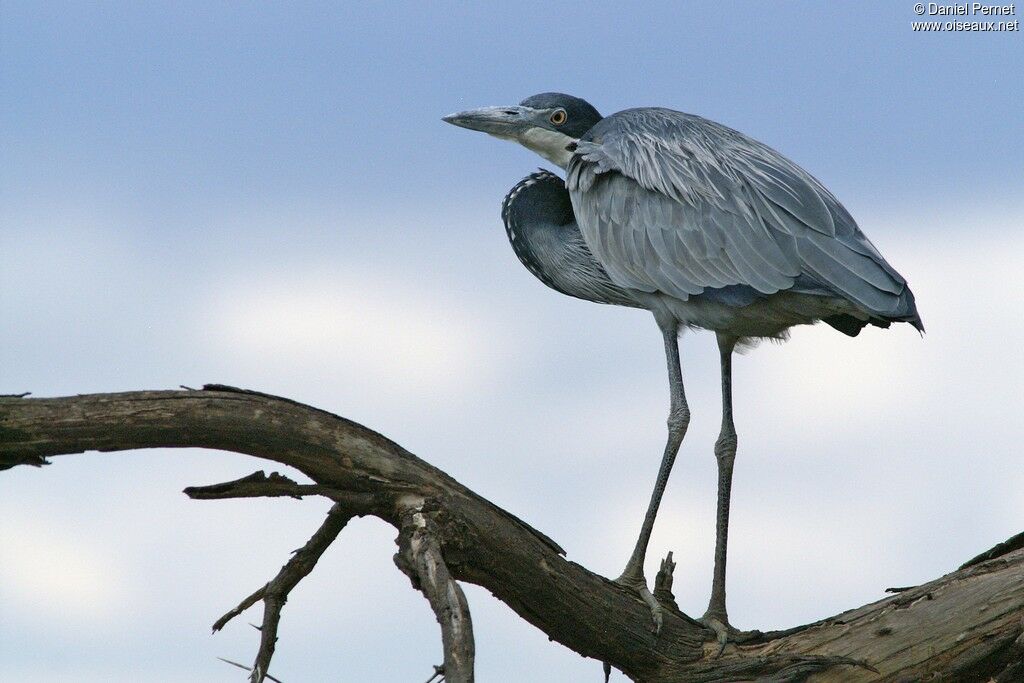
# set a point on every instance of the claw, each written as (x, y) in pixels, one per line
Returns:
(638, 584)
(722, 631)
(657, 613)
(725, 633)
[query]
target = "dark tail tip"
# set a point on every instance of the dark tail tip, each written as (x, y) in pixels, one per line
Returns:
(846, 324)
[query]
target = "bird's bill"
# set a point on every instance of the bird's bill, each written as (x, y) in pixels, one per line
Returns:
(502, 122)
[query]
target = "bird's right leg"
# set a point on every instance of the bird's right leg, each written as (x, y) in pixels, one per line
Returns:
(716, 617)
(678, 420)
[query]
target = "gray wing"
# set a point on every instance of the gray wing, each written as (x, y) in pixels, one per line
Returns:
(676, 203)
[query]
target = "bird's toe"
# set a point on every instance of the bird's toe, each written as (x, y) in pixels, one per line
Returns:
(639, 585)
(719, 623)
(726, 633)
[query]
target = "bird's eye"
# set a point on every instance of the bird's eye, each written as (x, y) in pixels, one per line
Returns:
(558, 117)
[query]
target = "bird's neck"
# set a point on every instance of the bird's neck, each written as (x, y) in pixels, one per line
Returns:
(538, 203)
(549, 144)
(539, 198)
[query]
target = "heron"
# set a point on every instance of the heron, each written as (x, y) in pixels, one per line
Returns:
(704, 227)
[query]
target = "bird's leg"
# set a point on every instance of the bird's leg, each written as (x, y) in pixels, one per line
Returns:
(716, 617)
(678, 419)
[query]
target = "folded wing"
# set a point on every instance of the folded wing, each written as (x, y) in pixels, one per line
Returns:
(675, 203)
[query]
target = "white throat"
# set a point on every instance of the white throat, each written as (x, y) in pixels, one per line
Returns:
(549, 144)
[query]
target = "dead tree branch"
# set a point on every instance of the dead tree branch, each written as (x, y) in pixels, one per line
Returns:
(420, 557)
(275, 593)
(965, 626)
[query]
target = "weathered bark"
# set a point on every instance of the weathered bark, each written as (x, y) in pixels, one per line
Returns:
(965, 626)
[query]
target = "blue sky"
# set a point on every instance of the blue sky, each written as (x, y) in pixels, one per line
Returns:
(264, 195)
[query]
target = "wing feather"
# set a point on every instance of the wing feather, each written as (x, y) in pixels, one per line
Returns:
(675, 203)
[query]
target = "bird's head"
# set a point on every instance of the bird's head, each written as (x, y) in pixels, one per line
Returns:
(545, 123)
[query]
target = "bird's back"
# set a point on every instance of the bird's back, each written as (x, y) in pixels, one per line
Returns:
(675, 205)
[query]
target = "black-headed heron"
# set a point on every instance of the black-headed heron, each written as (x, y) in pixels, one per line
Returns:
(704, 227)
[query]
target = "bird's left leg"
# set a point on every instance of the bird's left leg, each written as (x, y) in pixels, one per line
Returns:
(678, 420)
(716, 617)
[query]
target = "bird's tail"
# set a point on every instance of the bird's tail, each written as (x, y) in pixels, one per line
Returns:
(905, 311)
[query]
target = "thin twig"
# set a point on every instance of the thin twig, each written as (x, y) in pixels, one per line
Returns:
(243, 666)
(242, 606)
(275, 593)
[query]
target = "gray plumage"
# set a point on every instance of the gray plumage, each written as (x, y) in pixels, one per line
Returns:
(676, 206)
(701, 225)
(543, 232)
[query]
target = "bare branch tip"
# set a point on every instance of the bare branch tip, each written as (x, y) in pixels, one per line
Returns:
(32, 460)
(225, 387)
(254, 672)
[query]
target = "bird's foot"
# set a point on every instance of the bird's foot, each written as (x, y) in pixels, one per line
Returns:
(635, 581)
(718, 621)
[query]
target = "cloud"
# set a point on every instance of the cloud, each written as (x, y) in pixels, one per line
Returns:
(969, 297)
(348, 326)
(61, 577)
